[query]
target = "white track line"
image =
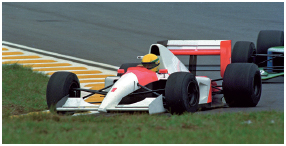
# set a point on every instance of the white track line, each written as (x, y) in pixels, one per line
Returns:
(59, 55)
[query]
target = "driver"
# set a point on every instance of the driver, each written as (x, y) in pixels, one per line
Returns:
(151, 62)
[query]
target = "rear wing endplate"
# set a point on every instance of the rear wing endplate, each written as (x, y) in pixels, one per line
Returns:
(201, 47)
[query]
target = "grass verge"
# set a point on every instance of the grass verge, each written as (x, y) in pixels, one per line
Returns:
(24, 91)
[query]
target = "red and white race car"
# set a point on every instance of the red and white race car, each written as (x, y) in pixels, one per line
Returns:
(174, 89)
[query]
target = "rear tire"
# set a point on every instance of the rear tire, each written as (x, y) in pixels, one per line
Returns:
(242, 52)
(60, 85)
(265, 40)
(182, 93)
(242, 85)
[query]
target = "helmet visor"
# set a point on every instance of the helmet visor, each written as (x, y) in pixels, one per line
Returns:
(150, 65)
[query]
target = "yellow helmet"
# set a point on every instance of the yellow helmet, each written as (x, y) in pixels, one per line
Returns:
(151, 62)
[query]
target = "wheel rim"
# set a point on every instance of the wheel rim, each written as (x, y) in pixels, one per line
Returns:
(72, 92)
(255, 88)
(256, 85)
(192, 96)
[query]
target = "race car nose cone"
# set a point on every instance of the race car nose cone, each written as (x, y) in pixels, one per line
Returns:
(124, 86)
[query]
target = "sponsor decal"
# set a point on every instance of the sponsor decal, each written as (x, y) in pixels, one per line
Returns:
(113, 89)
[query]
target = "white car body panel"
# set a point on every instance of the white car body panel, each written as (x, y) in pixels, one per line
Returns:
(125, 85)
(169, 61)
(193, 44)
(205, 87)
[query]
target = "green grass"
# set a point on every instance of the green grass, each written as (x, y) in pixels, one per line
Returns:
(266, 127)
(23, 90)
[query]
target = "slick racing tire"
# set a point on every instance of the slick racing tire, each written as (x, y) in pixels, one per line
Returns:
(242, 85)
(60, 85)
(265, 40)
(125, 66)
(242, 52)
(182, 93)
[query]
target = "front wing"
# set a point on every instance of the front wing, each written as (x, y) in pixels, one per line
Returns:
(151, 105)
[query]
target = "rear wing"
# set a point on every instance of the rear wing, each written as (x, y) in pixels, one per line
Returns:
(201, 47)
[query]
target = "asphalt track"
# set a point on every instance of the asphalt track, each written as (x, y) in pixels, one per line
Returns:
(115, 33)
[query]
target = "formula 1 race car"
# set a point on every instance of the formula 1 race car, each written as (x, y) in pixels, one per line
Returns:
(269, 54)
(173, 89)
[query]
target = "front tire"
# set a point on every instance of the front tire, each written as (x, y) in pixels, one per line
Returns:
(242, 85)
(182, 93)
(60, 85)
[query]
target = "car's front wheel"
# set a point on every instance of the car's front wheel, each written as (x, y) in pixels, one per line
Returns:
(182, 93)
(60, 85)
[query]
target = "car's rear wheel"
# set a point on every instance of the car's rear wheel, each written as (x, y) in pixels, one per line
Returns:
(242, 85)
(182, 93)
(265, 40)
(242, 52)
(59, 86)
